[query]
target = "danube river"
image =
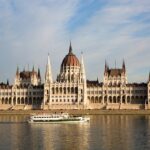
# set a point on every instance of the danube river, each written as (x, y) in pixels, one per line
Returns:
(104, 132)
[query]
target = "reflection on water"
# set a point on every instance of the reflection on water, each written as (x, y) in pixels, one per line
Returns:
(61, 136)
(102, 133)
(13, 118)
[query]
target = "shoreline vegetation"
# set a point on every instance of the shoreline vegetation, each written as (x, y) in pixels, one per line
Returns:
(77, 112)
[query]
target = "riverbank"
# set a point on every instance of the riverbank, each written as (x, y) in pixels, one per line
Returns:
(78, 112)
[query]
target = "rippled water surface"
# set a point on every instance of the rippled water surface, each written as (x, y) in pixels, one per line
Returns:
(112, 132)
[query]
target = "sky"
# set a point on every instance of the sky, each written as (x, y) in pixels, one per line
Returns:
(110, 30)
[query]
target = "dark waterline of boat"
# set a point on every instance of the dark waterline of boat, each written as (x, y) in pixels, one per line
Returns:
(104, 132)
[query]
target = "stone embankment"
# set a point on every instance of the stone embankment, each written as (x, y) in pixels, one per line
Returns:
(78, 112)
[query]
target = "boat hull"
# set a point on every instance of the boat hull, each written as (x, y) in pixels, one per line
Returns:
(59, 121)
(56, 118)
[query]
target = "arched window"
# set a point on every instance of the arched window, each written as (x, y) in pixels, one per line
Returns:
(26, 100)
(128, 99)
(100, 99)
(114, 99)
(64, 90)
(123, 99)
(76, 90)
(92, 99)
(14, 100)
(110, 99)
(10, 100)
(105, 99)
(72, 90)
(96, 99)
(56, 90)
(68, 89)
(3, 100)
(53, 91)
(18, 101)
(22, 100)
(60, 90)
(6, 100)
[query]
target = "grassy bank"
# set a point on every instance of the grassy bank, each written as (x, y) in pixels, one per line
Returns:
(79, 112)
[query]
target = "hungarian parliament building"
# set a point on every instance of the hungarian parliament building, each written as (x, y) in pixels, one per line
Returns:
(72, 90)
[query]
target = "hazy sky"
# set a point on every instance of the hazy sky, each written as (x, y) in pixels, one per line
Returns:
(102, 29)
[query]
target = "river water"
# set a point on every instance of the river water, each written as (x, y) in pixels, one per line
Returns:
(104, 132)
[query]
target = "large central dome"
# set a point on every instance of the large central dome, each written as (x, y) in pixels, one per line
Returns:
(70, 59)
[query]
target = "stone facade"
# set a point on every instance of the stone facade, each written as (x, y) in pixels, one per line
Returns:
(72, 90)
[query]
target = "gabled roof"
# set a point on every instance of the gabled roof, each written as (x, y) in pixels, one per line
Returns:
(93, 83)
(27, 74)
(115, 72)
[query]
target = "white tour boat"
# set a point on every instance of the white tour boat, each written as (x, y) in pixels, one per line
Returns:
(56, 118)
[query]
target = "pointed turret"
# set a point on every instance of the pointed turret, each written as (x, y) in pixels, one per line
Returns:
(83, 79)
(70, 48)
(48, 74)
(17, 77)
(39, 74)
(7, 82)
(97, 80)
(106, 67)
(82, 67)
(33, 70)
(124, 66)
(17, 71)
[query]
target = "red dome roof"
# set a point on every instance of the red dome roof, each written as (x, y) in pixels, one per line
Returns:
(70, 59)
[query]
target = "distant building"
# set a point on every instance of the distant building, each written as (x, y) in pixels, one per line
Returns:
(72, 90)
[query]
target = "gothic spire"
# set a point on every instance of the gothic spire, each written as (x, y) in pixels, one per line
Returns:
(82, 67)
(39, 74)
(124, 66)
(7, 82)
(106, 67)
(17, 71)
(83, 80)
(97, 80)
(48, 74)
(70, 48)
(33, 69)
